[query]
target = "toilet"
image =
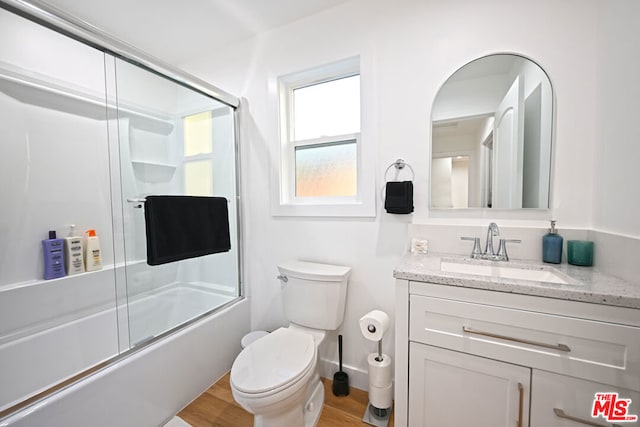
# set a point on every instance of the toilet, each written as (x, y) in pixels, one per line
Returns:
(251, 337)
(276, 377)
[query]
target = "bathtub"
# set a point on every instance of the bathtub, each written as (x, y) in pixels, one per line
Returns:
(171, 305)
(146, 385)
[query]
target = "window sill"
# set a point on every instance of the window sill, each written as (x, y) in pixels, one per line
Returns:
(362, 209)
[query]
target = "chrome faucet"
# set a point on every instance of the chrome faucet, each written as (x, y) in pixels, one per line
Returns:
(489, 253)
(493, 230)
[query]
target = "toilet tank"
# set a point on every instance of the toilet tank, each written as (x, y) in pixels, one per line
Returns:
(313, 294)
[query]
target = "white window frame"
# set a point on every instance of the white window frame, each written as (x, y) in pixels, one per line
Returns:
(284, 200)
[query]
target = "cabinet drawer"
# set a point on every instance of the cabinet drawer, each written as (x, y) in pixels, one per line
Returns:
(561, 401)
(598, 351)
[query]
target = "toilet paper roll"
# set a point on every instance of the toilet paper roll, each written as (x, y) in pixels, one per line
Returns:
(381, 397)
(374, 324)
(379, 372)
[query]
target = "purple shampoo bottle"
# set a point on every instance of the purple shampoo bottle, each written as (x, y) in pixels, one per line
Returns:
(53, 249)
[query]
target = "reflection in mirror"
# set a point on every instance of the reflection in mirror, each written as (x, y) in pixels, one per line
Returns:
(491, 136)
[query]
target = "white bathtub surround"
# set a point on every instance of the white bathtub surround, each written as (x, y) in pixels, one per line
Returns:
(172, 305)
(64, 115)
(152, 385)
(42, 322)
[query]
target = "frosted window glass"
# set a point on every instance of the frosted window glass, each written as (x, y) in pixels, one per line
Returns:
(198, 178)
(327, 109)
(326, 170)
(198, 134)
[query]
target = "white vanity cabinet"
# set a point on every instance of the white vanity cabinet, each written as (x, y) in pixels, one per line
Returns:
(451, 388)
(562, 401)
(486, 358)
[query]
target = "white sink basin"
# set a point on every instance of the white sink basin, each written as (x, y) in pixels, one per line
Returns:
(519, 272)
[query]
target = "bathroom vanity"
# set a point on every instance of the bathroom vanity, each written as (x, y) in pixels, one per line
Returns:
(513, 344)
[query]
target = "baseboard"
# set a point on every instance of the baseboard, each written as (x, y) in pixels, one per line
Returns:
(177, 422)
(357, 378)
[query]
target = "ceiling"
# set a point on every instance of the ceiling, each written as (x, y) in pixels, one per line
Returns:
(178, 32)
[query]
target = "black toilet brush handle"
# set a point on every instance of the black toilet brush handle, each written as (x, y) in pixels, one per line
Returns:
(340, 351)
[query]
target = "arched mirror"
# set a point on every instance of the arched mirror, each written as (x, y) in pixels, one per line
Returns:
(491, 136)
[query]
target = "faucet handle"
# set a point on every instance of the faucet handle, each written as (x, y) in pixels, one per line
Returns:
(502, 249)
(476, 253)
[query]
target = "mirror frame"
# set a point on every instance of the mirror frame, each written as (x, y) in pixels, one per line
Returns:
(542, 213)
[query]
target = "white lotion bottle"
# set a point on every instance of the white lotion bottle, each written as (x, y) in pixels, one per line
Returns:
(73, 253)
(92, 253)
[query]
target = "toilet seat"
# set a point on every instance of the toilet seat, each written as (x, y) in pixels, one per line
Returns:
(273, 362)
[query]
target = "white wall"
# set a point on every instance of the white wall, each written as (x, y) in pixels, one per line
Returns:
(616, 202)
(408, 48)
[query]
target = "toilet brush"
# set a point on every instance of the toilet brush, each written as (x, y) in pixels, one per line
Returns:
(340, 379)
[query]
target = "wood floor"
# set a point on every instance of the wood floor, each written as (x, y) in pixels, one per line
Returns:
(216, 407)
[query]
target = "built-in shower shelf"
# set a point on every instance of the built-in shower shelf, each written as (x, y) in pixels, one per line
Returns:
(153, 172)
(37, 89)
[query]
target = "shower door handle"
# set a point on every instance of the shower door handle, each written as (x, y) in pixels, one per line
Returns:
(137, 201)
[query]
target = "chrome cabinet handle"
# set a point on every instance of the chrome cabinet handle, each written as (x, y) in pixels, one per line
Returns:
(521, 404)
(561, 414)
(560, 347)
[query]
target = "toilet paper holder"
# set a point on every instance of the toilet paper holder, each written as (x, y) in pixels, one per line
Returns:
(373, 325)
(372, 328)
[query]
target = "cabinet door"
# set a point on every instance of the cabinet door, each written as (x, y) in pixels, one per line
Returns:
(561, 401)
(449, 388)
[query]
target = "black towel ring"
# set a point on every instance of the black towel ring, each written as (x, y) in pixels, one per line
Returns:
(399, 165)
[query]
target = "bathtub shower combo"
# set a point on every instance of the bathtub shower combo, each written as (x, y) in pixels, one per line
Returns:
(91, 128)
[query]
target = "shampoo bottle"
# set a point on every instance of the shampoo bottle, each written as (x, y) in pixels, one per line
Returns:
(552, 246)
(92, 254)
(53, 249)
(73, 253)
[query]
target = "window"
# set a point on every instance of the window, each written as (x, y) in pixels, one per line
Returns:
(198, 151)
(321, 149)
(326, 170)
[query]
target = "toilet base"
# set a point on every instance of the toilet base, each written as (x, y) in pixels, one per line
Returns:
(306, 415)
(313, 406)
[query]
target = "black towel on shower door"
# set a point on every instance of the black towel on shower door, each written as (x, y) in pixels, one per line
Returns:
(182, 227)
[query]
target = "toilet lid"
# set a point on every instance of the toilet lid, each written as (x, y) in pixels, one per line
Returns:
(273, 361)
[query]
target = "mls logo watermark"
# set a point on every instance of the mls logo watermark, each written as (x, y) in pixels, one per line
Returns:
(612, 408)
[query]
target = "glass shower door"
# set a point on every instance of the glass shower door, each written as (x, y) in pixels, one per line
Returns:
(172, 141)
(54, 169)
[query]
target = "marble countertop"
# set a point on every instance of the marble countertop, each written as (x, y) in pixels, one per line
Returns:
(587, 284)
